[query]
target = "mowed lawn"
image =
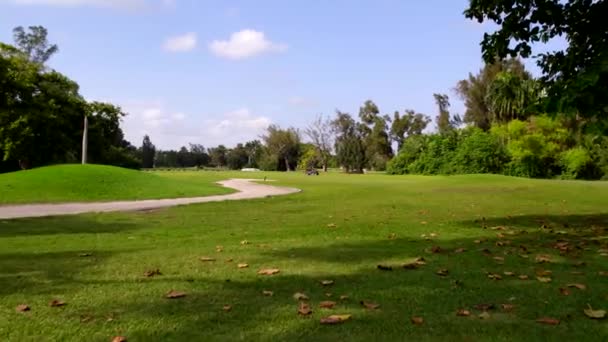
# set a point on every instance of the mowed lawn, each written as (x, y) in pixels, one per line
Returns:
(474, 229)
(86, 183)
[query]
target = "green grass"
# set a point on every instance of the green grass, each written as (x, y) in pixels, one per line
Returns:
(39, 261)
(68, 183)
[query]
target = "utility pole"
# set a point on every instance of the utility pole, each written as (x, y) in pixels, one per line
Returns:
(85, 140)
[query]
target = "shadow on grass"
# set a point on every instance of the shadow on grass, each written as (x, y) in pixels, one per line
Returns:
(73, 224)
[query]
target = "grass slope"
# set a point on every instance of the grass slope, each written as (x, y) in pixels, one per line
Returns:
(379, 220)
(65, 183)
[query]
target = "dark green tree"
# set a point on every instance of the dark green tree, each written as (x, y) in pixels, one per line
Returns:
(575, 78)
(284, 145)
(442, 120)
(34, 43)
(148, 151)
(218, 156)
(349, 143)
(410, 124)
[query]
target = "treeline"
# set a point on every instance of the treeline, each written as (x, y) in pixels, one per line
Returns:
(42, 112)
(507, 132)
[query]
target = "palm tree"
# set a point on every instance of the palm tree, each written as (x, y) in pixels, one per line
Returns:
(510, 97)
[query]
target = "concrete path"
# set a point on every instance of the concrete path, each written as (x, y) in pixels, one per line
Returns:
(246, 189)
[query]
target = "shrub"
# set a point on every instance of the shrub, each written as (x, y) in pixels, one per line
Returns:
(574, 162)
(480, 152)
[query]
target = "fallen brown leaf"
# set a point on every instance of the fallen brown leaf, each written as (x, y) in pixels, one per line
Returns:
(85, 255)
(206, 259)
(507, 307)
(484, 307)
(331, 225)
(152, 273)
(564, 291)
(335, 319)
(460, 250)
(392, 236)
(603, 273)
(417, 320)
(327, 282)
(22, 308)
(595, 314)
(508, 274)
(244, 242)
(578, 286)
(175, 294)
(242, 265)
(344, 297)
(544, 273)
(304, 309)
(267, 293)
(328, 304)
(269, 271)
(548, 321)
(227, 307)
(55, 303)
(119, 339)
(499, 259)
(327, 294)
(300, 296)
(542, 258)
(494, 276)
(463, 313)
(544, 279)
(442, 272)
(523, 277)
(370, 305)
(436, 249)
(86, 318)
(229, 260)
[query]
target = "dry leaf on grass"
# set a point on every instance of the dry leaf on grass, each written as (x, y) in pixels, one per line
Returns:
(463, 313)
(603, 273)
(544, 279)
(392, 236)
(507, 307)
(564, 291)
(227, 308)
(327, 294)
(417, 320)
(544, 273)
(499, 259)
(328, 304)
(119, 339)
(300, 296)
(244, 242)
(494, 276)
(55, 303)
(436, 249)
(331, 225)
(578, 286)
(548, 321)
(242, 265)
(22, 308)
(595, 314)
(267, 293)
(508, 273)
(460, 250)
(219, 249)
(335, 319)
(206, 259)
(344, 297)
(175, 294)
(370, 305)
(542, 258)
(443, 272)
(484, 315)
(85, 255)
(484, 307)
(523, 277)
(269, 271)
(327, 282)
(304, 309)
(152, 273)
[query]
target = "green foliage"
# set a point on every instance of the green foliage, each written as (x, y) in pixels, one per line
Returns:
(576, 78)
(479, 152)
(284, 146)
(574, 162)
(349, 143)
(410, 124)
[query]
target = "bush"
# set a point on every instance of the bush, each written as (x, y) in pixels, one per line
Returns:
(480, 152)
(574, 162)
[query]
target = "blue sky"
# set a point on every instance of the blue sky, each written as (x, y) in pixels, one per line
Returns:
(219, 71)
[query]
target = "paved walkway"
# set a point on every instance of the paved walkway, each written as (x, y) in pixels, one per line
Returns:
(246, 189)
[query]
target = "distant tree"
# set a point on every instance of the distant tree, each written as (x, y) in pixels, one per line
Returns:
(148, 151)
(474, 90)
(237, 157)
(254, 149)
(218, 156)
(199, 155)
(34, 43)
(410, 124)
(184, 158)
(320, 133)
(443, 119)
(575, 78)
(349, 143)
(510, 97)
(284, 144)
(374, 128)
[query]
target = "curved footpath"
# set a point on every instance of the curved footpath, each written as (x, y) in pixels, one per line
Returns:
(246, 189)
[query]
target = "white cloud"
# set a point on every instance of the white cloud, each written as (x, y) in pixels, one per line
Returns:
(301, 102)
(244, 44)
(171, 129)
(128, 4)
(183, 43)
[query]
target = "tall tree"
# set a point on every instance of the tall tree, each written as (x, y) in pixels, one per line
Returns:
(349, 143)
(410, 124)
(254, 149)
(218, 156)
(34, 43)
(148, 151)
(376, 138)
(284, 144)
(510, 97)
(199, 154)
(474, 90)
(443, 119)
(320, 133)
(237, 157)
(576, 78)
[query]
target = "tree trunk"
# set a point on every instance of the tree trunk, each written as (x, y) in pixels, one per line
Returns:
(287, 168)
(24, 164)
(85, 140)
(325, 167)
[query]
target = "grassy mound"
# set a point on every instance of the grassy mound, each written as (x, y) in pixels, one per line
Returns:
(65, 183)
